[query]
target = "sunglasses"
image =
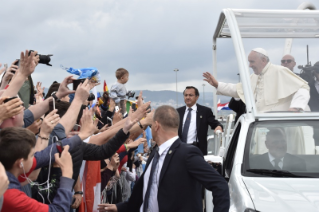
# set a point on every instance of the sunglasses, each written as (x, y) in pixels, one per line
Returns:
(284, 61)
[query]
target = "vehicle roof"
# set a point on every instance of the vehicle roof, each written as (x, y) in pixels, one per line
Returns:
(270, 23)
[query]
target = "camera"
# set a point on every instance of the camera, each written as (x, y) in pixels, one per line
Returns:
(91, 97)
(44, 59)
(306, 72)
(130, 94)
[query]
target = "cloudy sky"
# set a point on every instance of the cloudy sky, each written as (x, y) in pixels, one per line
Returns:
(150, 38)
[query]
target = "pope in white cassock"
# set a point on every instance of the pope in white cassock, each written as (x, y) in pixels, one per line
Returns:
(274, 87)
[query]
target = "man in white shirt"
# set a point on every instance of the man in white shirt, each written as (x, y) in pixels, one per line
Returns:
(173, 174)
(274, 87)
(195, 119)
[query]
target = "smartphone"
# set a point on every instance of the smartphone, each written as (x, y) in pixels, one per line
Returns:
(59, 147)
(117, 108)
(77, 82)
(76, 127)
(109, 121)
(9, 99)
(134, 106)
(17, 63)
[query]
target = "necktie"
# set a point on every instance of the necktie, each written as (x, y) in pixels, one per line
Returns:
(150, 180)
(186, 125)
(277, 160)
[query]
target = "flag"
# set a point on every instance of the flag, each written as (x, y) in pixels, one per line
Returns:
(99, 98)
(105, 88)
(222, 106)
(129, 104)
(90, 176)
(91, 184)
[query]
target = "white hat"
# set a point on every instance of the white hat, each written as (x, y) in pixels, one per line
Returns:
(261, 51)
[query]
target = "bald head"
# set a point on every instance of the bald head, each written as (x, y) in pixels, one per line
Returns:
(168, 117)
(288, 61)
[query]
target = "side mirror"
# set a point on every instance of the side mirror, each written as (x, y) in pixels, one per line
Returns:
(216, 162)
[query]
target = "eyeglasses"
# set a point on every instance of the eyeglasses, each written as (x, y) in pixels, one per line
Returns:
(284, 61)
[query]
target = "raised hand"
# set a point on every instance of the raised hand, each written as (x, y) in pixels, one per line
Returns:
(27, 63)
(83, 91)
(39, 88)
(149, 118)
(88, 126)
(129, 121)
(140, 99)
(117, 116)
(210, 79)
(136, 143)
(10, 108)
(65, 162)
(7, 77)
(49, 122)
(63, 89)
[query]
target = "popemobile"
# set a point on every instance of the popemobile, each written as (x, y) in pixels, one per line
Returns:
(270, 158)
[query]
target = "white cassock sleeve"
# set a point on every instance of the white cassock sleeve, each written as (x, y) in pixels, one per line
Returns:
(227, 89)
(300, 99)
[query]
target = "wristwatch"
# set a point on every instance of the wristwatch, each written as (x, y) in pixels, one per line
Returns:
(55, 97)
(141, 126)
(79, 192)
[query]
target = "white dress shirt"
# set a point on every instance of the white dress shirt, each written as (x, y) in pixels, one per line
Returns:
(272, 161)
(192, 131)
(162, 151)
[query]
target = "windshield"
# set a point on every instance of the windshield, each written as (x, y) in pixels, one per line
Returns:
(274, 149)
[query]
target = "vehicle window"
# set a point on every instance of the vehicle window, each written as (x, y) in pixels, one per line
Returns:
(232, 151)
(282, 149)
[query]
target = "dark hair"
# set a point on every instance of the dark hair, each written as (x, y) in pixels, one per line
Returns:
(167, 116)
(192, 87)
(108, 96)
(54, 87)
(119, 73)
(15, 143)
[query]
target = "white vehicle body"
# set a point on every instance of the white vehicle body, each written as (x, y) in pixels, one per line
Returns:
(263, 193)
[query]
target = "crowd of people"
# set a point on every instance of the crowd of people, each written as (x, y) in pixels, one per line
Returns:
(59, 151)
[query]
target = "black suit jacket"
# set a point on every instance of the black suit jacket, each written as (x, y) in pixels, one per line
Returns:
(179, 190)
(314, 97)
(290, 163)
(204, 118)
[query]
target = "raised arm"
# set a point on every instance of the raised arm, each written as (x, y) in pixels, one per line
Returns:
(40, 109)
(69, 119)
(27, 66)
(108, 134)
